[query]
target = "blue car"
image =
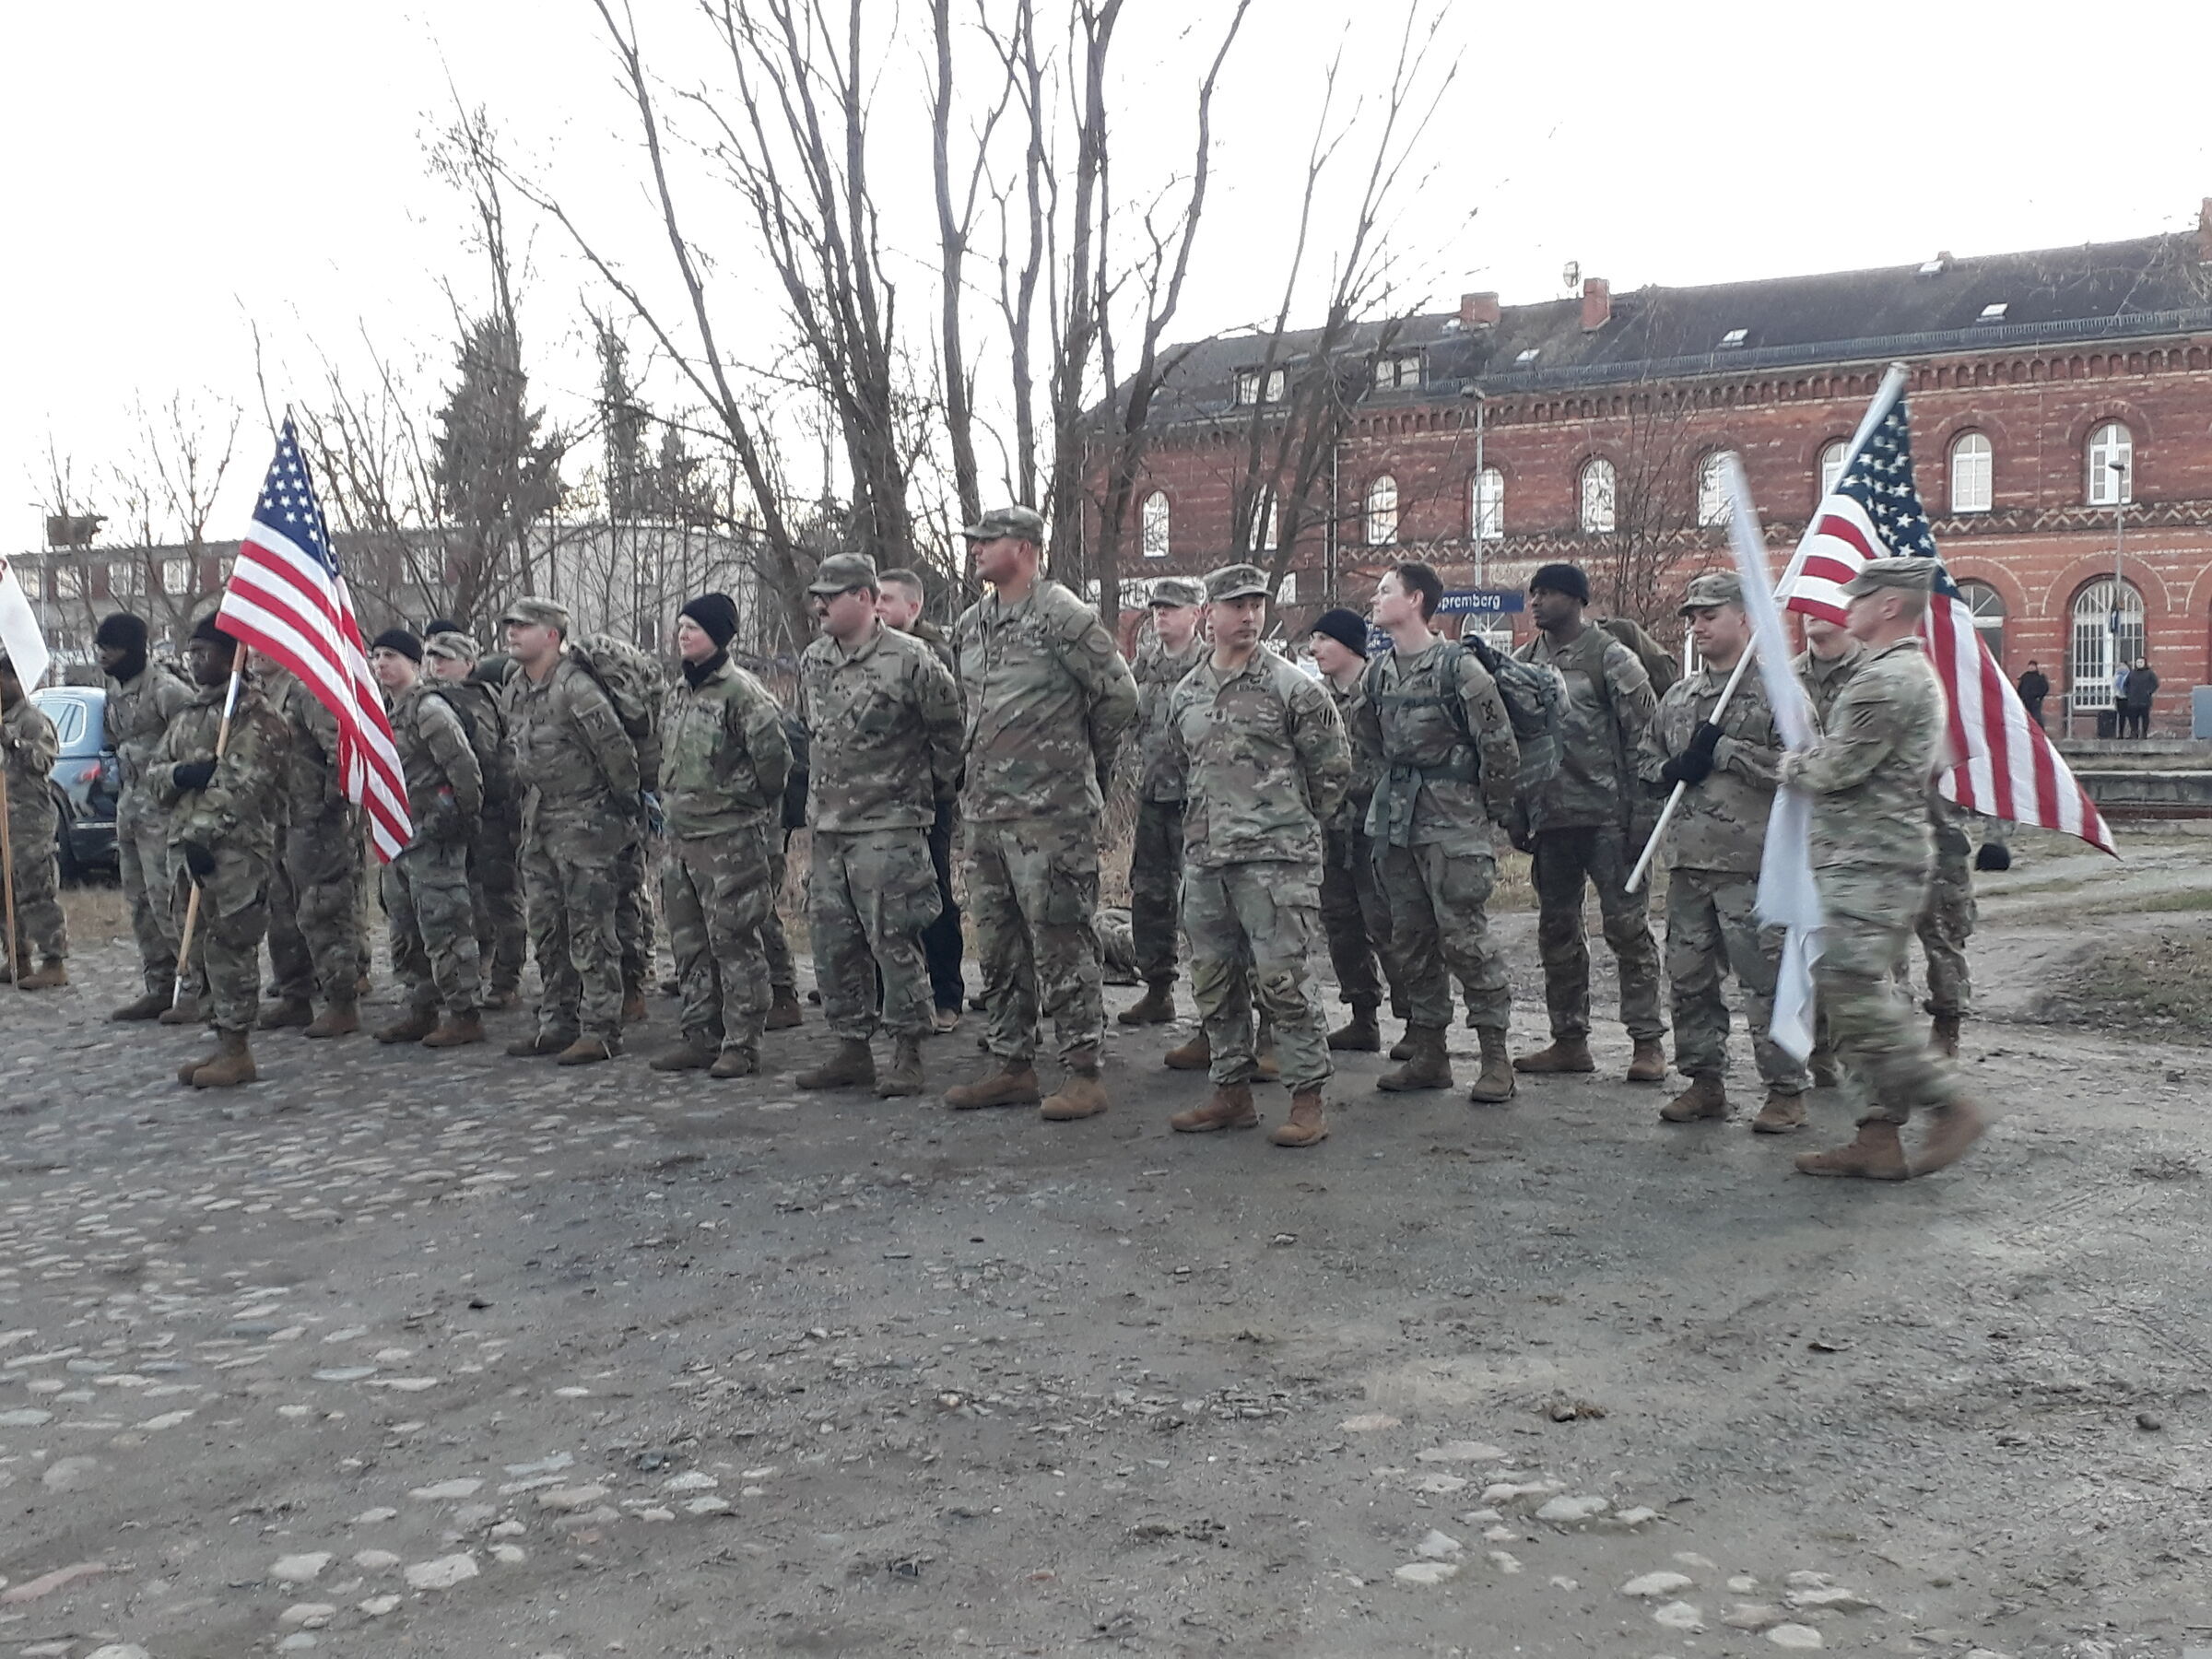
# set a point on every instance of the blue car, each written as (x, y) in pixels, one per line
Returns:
(85, 778)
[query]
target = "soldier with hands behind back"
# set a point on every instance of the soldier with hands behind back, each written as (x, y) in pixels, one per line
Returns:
(142, 696)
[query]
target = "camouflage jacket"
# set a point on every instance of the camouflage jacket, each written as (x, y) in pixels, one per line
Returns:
(571, 756)
(1721, 823)
(1363, 738)
(931, 635)
(1869, 770)
(1439, 788)
(883, 729)
(1159, 760)
(1266, 760)
(482, 710)
(723, 755)
(1048, 700)
(1609, 702)
(1824, 680)
(445, 785)
(29, 747)
(137, 712)
(312, 786)
(243, 803)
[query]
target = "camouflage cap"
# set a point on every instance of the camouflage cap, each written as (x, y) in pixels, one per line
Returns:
(530, 611)
(1912, 575)
(453, 645)
(1712, 587)
(841, 571)
(1174, 591)
(1026, 523)
(1236, 582)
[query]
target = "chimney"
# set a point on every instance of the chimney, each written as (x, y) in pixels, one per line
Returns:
(1598, 304)
(1481, 311)
(2204, 231)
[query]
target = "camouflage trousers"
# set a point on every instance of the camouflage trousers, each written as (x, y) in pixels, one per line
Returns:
(1877, 1039)
(432, 926)
(869, 895)
(1947, 923)
(1712, 930)
(571, 871)
(315, 922)
(496, 895)
(1250, 926)
(1032, 885)
(227, 933)
(142, 865)
(40, 931)
(1156, 888)
(716, 891)
(1440, 926)
(1355, 915)
(775, 946)
(1597, 856)
(634, 918)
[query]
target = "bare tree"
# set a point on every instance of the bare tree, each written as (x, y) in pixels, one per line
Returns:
(1654, 525)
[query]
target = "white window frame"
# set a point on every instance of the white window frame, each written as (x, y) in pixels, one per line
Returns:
(1379, 515)
(1715, 507)
(1832, 456)
(1597, 497)
(1154, 519)
(1985, 605)
(1254, 385)
(2110, 443)
(1398, 371)
(2090, 657)
(1265, 527)
(176, 576)
(1973, 472)
(1486, 504)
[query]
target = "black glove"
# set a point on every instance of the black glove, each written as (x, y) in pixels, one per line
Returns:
(192, 774)
(1994, 856)
(197, 859)
(1694, 764)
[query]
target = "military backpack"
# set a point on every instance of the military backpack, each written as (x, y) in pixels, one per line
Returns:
(634, 684)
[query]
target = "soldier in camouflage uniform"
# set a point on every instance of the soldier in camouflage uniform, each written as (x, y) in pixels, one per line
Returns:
(898, 602)
(1450, 768)
(1586, 827)
(475, 690)
(1712, 851)
(724, 758)
(142, 695)
(1826, 664)
(223, 819)
(1355, 912)
(1172, 650)
(580, 815)
(883, 725)
(1266, 758)
(314, 895)
(1868, 776)
(29, 747)
(432, 923)
(1048, 699)
(1947, 922)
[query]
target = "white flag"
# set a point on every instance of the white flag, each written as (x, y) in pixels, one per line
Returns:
(19, 629)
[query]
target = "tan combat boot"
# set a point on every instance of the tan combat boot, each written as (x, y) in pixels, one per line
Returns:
(1875, 1156)
(686, 1056)
(783, 1013)
(411, 1027)
(1361, 1034)
(1648, 1064)
(1404, 1048)
(1013, 1084)
(735, 1063)
(852, 1066)
(904, 1078)
(285, 1011)
(1157, 1006)
(149, 1006)
(338, 1019)
(537, 1046)
(1780, 1115)
(1081, 1093)
(634, 1011)
(1195, 1055)
(1565, 1054)
(1306, 1126)
(456, 1031)
(1229, 1108)
(1496, 1083)
(185, 1011)
(51, 975)
(1956, 1127)
(1707, 1097)
(1429, 1066)
(186, 1072)
(585, 1051)
(233, 1065)
(1942, 1035)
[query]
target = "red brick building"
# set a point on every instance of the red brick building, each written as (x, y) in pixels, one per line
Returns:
(2059, 400)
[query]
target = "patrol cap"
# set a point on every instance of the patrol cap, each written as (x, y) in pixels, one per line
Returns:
(1911, 575)
(531, 611)
(1025, 523)
(1712, 587)
(205, 624)
(1236, 582)
(451, 644)
(841, 571)
(1175, 590)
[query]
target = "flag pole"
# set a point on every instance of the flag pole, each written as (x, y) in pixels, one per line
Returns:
(7, 880)
(191, 901)
(1891, 388)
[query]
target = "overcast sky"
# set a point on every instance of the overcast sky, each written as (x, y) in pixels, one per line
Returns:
(179, 175)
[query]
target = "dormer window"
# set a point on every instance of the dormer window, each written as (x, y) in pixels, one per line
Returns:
(1257, 386)
(1734, 337)
(1398, 371)
(1994, 312)
(1527, 357)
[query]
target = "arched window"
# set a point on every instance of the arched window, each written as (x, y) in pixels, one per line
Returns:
(1597, 495)
(1832, 467)
(2111, 462)
(2108, 625)
(1986, 607)
(1383, 512)
(1486, 504)
(1263, 526)
(1152, 520)
(1970, 472)
(1714, 506)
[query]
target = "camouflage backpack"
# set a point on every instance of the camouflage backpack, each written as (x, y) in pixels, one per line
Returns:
(633, 683)
(1535, 701)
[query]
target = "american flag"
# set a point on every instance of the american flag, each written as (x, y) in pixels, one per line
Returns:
(287, 600)
(2004, 766)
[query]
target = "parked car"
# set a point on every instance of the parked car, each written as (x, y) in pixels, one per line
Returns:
(85, 778)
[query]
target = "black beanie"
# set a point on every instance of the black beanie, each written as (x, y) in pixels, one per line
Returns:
(1563, 579)
(401, 640)
(716, 615)
(210, 628)
(1347, 628)
(119, 631)
(442, 625)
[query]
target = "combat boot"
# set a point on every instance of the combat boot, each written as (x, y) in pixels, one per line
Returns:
(456, 1031)
(536, 1045)
(735, 1063)
(905, 1076)
(1956, 1127)
(412, 1026)
(1429, 1066)
(1229, 1108)
(852, 1067)
(1942, 1035)
(233, 1065)
(1496, 1083)
(1195, 1055)
(1875, 1156)
(149, 1006)
(784, 1012)
(185, 1011)
(1404, 1048)
(338, 1019)
(1707, 1097)
(285, 1011)
(1565, 1054)
(686, 1056)
(1081, 1093)
(500, 997)
(585, 1051)
(1361, 1034)
(186, 1072)
(50, 976)
(1648, 1064)
(1307, 1126)
(1013, 1084)
(1780, 1115)
(634, 1011)
(1157, 1006)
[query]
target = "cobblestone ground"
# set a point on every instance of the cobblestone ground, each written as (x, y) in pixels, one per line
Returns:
(402, 1353)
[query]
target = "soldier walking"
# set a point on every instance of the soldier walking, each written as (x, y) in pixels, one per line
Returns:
(1583, 826)
(883, 725)
(1266, 758)
(315, 943)
(1048, 699)
(1355, 914)
(1157, 853)
(580, 819)
(1871, 852)
(475, 689)
(142, 696)
(1712, 852)
(899, 603)
(29, 747)
(722, 763)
